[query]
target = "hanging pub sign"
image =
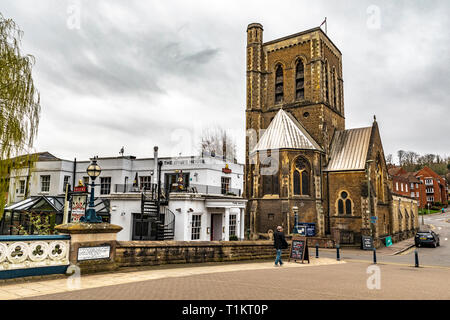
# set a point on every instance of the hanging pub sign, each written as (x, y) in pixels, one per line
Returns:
(299, 249)
(79, 201)
(226, 169)
(81, 189)
(78, 207)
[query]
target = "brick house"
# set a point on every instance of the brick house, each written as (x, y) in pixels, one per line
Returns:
(434, 188)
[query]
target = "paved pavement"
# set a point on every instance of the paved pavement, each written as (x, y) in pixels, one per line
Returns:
(36, 288)
(324, 278)
(292, 282)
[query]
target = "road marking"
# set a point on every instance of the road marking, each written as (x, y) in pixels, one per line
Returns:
(439, 228)
(397, 264)
(445, 239)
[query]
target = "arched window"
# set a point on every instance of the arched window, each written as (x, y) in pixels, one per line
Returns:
(301, 177)
(379, 181)
(300, 80)
(279, 84)
(344, 204)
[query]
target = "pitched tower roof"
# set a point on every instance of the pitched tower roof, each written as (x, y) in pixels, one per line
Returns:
(285, 132)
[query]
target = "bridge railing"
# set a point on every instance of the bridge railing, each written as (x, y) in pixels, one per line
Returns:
(22, 256)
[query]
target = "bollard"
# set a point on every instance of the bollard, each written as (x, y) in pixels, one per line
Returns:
(416, 258)
(338, 257)
(374, 256)
(317, 250)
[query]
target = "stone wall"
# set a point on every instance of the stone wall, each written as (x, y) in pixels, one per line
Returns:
(148, 253)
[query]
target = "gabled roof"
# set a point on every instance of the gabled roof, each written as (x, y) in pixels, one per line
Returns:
(285, 132)
(349, 149)
(396, 171)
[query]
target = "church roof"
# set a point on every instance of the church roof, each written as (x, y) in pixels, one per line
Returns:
(349, 149)
(285, 132)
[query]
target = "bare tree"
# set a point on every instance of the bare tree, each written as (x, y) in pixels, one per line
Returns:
(215, 142)
(401, 155)
(389, 159)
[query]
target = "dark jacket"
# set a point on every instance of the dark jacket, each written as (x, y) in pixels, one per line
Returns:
(279, 241)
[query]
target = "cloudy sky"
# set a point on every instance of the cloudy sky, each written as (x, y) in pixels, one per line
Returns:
(143, 73)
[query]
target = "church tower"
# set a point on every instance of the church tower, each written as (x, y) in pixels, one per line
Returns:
(301, 75)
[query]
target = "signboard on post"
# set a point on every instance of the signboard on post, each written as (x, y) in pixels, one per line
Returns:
(367, 243)
(299, 249)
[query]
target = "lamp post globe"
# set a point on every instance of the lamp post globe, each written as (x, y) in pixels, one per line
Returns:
(93, 171)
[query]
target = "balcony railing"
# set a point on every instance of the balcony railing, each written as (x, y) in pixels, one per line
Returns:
(430, 190)
(212, 190)
(125, 188)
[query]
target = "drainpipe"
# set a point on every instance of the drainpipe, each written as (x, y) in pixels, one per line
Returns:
(74, 172)
(155, 158)
(328, 204)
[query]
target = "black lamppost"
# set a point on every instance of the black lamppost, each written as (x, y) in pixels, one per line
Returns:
(93, 171)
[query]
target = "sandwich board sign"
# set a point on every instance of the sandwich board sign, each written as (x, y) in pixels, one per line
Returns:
(367, 243)
(299, 249)
(388, 241)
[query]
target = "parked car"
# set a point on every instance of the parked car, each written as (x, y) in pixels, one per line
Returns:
(427, 237)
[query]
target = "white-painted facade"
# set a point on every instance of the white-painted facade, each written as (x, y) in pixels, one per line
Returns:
(206, 174)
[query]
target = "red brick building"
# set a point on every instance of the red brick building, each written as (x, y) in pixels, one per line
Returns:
(405, 183)
(433, 189)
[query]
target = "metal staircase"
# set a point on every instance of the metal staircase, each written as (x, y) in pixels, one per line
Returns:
(159, 215)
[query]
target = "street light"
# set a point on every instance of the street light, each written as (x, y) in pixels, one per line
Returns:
(93, 171)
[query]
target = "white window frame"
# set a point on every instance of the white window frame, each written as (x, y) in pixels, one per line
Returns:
(232, 224)
(196, 226)
(105, 187)
(396, 186)
(47, 183)
(21, 186)
(65, 182)
(225, 181)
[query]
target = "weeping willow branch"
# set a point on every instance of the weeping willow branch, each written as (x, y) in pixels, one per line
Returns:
(19, 105)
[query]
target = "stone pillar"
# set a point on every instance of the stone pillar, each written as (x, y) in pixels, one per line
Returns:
(226, 224)
(92, 245)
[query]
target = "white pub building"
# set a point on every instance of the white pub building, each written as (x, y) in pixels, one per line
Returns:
(200, 197)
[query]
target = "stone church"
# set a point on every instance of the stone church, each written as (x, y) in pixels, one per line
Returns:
(300, 157)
